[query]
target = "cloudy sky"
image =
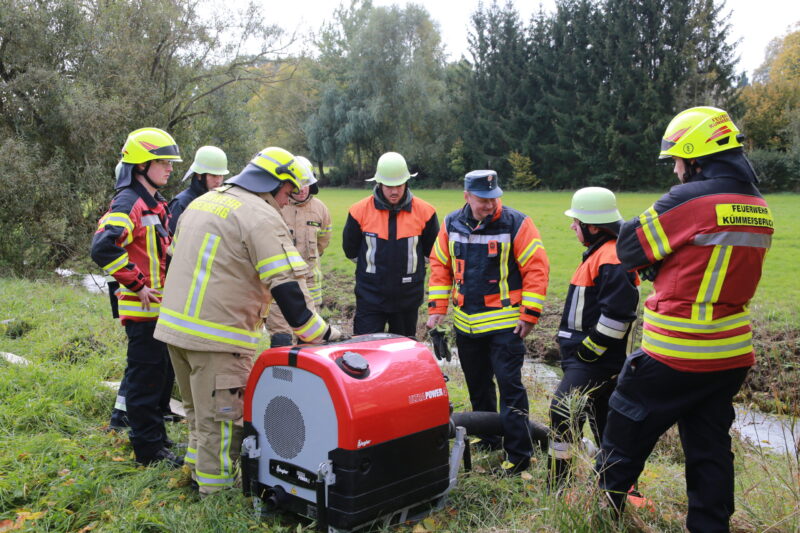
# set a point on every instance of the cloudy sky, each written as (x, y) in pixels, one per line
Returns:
(755, 22)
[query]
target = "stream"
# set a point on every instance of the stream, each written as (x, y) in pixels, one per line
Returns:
(774, 433)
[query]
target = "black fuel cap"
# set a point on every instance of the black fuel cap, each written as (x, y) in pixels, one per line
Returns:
(355, 362)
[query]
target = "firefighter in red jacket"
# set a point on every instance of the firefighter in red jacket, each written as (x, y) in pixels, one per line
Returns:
(131, 245)
(705, 242)
(489, 260)
(595, 331)
(388, 235)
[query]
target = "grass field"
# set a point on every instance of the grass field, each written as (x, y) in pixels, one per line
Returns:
(60, 471)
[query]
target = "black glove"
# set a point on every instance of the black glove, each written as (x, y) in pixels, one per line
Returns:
(439, 341)
(650, 272)
(590, 352)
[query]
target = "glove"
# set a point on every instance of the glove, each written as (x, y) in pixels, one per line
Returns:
(590, 352)
(334, 334)
(438, 337)
(650, 272)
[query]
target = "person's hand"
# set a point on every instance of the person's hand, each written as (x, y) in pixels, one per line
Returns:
(434, 320)
(147, 295)
(335, 334)
(586, 355)
(523, 328)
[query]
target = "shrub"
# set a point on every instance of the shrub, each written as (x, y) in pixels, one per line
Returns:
(777, 170)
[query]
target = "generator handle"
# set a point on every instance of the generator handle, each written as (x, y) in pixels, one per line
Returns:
(456, 454)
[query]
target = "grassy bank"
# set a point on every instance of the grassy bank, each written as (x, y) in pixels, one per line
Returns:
(60, 471)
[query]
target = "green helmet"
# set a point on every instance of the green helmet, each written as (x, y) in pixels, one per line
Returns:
(308, 178)
(392, 170)
(697, 132)
(594, 205)
(210, 160)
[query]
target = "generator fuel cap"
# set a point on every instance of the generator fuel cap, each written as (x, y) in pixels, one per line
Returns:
(354, 364)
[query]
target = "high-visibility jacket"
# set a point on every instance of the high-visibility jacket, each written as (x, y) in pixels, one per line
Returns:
(131, 244)
(600, 307)
(495, 272)
(310, 226)
(389, 244)
(710, 236)
(232, 252)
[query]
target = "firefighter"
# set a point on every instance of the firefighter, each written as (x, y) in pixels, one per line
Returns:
(489, 259)
(131, 245)
(595, 331)
(234, 255)
(309, 224)
(388, 235)
(704, 242)
(209, 168)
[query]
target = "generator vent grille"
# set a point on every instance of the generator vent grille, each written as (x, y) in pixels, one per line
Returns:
(284, 426)
(282, 373)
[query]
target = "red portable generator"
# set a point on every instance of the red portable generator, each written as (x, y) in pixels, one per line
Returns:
(349, 433)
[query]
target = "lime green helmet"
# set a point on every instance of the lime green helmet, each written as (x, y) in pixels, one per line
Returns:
(698, 132)
(594, 205)
(308, 178)
(147, 144)
(270, 168)
(392, 170)
(210, 160)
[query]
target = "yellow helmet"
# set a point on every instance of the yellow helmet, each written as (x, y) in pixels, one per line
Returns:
(697, 132)
(147, 144)
(268, 170)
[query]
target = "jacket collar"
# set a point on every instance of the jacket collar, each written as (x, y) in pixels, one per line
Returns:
(151, 201)
(466, 218)
(380, 201)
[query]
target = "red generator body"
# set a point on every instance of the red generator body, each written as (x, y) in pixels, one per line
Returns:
(348, 433)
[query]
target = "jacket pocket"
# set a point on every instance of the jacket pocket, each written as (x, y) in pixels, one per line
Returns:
(229, 396)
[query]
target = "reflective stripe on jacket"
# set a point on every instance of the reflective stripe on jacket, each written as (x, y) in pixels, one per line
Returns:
(710, 238)
(131, 245)
(495, 274)
(390, 244)
(600, 306)
(231, 248)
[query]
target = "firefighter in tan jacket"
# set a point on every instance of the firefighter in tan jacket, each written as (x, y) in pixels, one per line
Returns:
(310, 226)
(233, 255)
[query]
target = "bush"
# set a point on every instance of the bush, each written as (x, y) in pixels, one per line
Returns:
(41, 216)
(777, 170)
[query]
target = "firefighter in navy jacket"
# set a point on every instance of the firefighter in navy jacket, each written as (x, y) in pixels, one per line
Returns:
(131, 245)
(705, 241)
(595, 331)
(490, 261)
(209, 168)
(389, 235)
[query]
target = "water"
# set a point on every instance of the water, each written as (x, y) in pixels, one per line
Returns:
(94, 283)
(773, 433)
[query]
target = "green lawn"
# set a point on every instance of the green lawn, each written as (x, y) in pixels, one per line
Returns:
(777, 288)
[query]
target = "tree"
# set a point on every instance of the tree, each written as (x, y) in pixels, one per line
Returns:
(383, 70)
(76, 76)
(772, 103)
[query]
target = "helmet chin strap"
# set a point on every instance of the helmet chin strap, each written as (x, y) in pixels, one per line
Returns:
(144, 173)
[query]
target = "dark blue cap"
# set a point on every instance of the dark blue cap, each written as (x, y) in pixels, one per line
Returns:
(483, 183)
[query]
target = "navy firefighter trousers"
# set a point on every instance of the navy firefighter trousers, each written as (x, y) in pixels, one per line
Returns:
(650, 397)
